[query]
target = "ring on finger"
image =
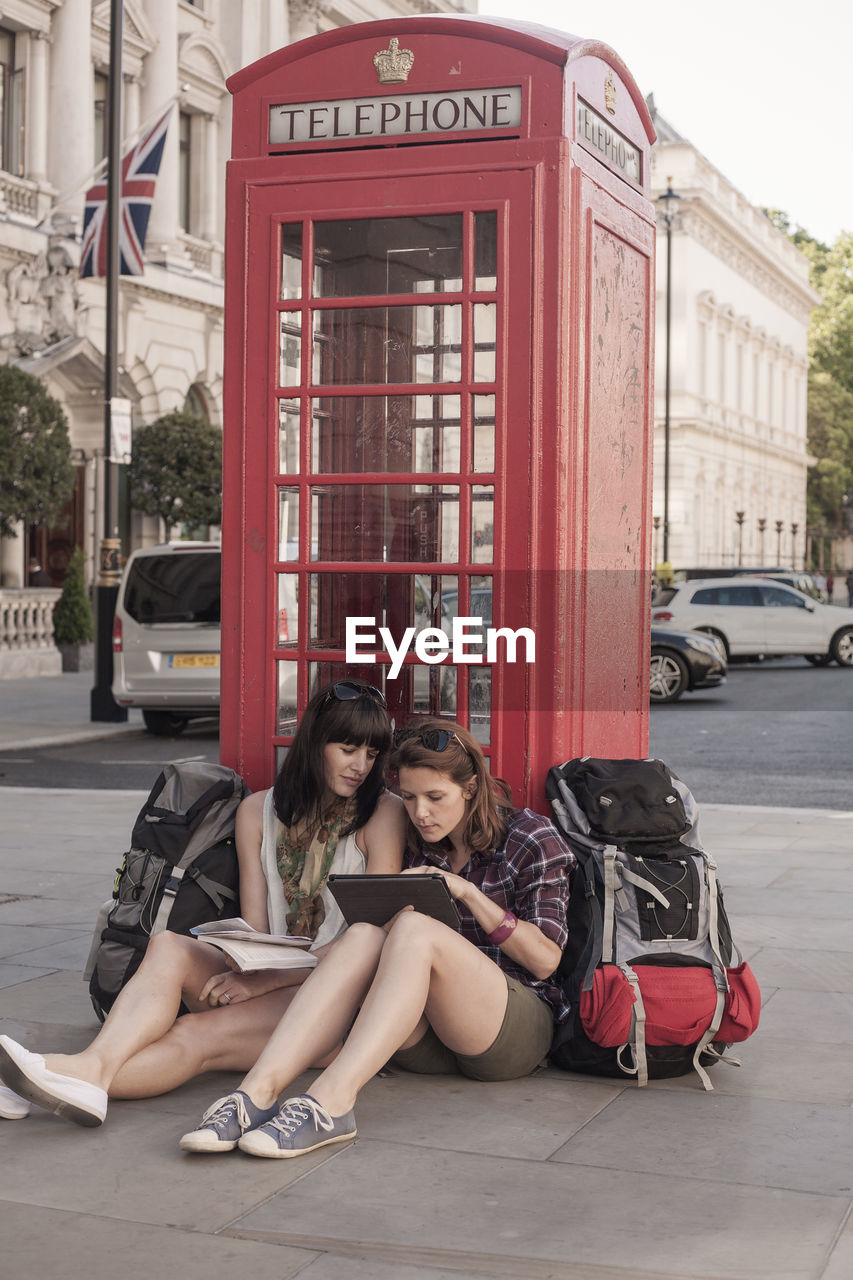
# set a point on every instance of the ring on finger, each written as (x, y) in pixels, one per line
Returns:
(225, 996)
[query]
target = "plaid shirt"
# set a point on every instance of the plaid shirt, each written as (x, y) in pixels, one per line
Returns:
(529, 875)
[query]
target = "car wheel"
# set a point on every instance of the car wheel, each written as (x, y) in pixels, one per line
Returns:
(669, 677)
(164, 724)
(818, 659)
(841, 647)
(712, 631)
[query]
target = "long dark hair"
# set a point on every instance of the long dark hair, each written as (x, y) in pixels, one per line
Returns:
(301, 783)
(463, 761)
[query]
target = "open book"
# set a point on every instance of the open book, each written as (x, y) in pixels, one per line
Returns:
(251, 950)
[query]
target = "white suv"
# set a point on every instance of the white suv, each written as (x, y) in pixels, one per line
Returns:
(166, 634)
(757, 617)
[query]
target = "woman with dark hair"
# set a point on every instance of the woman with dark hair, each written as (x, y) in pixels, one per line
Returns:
(328, 811)
(431, 1000)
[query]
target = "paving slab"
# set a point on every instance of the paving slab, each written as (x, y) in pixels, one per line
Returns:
(798, 1146)
(498, 1208)
(39, 1242)
(822, 1016)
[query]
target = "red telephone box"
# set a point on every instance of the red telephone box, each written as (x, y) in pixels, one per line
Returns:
(439, 300)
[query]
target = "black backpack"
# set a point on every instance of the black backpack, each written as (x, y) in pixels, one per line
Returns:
(180, 871)
(647, 968)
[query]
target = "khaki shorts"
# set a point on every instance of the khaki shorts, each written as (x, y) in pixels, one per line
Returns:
(521, 1044)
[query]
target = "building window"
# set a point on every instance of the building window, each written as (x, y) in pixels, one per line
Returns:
(11, 107)
(102, 116)
(184, 168)
(196, 405)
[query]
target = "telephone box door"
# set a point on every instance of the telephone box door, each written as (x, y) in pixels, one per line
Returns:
(386, 448)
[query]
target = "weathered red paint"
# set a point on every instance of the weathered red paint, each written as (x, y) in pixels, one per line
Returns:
(575, 297)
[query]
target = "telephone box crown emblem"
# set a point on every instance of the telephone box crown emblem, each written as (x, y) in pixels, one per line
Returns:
(610, 94)
(393, 64)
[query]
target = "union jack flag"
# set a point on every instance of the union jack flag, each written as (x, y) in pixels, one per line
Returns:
(139, 170)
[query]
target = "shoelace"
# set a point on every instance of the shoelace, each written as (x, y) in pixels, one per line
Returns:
(293, 1114)
(221, 1112)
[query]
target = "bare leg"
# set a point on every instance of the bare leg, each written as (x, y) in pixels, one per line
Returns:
(426, 971)
(174, 968)
(223, 1039)
(319, 1015)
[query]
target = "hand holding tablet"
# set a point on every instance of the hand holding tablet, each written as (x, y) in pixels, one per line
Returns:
(376, 899)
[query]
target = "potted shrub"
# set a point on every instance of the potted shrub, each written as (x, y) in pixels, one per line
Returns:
(73, 621)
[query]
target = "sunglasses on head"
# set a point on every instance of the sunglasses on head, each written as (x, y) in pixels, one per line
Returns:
(432, 739)
(344, 691)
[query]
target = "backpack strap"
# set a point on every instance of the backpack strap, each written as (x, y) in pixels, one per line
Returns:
(170, 892)
(611, 884)
(636, 1041)
(596, 924)
(721, 981)
(646, 885)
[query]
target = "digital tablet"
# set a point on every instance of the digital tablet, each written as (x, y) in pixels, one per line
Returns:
(375, 899)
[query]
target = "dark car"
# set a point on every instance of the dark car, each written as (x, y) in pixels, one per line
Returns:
(682, 661)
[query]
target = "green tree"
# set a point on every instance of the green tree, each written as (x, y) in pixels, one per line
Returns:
(73, 622)
(175, 470)
(830, 385)
(36, 472)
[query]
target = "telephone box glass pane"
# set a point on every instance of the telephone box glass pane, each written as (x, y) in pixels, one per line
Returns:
(484, 433)
(360, 345)
(434, 691)
(385, 433)
(486, 251)
(360, 257)
(395, 601)
(321, 673)
(291, 261)
(288, 524)
(482, 524)
(485, 318)
(287, 615)
(379, 523)
(286, 709)
(480, 704)
(290, 349)
(288, 437)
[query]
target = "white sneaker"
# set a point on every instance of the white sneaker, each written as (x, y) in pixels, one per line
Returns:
(65, 1096)
(12, 1107)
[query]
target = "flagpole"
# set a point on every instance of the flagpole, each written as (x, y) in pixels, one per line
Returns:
(102, 705)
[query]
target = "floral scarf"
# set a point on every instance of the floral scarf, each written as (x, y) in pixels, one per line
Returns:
(304, 856)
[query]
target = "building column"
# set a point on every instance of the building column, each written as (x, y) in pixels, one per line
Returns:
(160, 84)
(131, 106)
(209, 228)
(12, 564)
(304, 18)
(38, 126)
(72, 135)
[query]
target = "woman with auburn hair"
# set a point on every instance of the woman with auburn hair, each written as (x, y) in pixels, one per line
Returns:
(327, 811)
(432, 1000)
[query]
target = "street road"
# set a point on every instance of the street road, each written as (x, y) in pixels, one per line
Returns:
(777, 733)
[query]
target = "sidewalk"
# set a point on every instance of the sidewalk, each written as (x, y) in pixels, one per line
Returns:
(557, 1177)
(45, 711)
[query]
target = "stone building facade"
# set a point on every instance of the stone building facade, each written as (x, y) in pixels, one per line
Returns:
(54, 64)
(741, 302)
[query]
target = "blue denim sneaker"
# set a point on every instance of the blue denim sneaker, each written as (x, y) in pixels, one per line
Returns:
(301, 1125)
(225, 1122)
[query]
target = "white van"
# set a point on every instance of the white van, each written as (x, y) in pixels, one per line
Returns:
(166, 634)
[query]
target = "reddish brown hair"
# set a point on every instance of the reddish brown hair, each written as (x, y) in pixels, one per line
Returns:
(464, 762)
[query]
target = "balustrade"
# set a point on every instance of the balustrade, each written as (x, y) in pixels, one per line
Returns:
(26, 618)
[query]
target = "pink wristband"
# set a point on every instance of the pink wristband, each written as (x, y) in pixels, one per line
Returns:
(499, 935)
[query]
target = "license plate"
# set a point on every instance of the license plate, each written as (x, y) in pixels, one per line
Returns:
(193, 659)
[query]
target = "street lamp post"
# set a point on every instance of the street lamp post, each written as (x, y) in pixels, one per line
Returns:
(668, 204)
(762, 525)
(795, 528)
(740, 516)
(101, 703)
(780, 525)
